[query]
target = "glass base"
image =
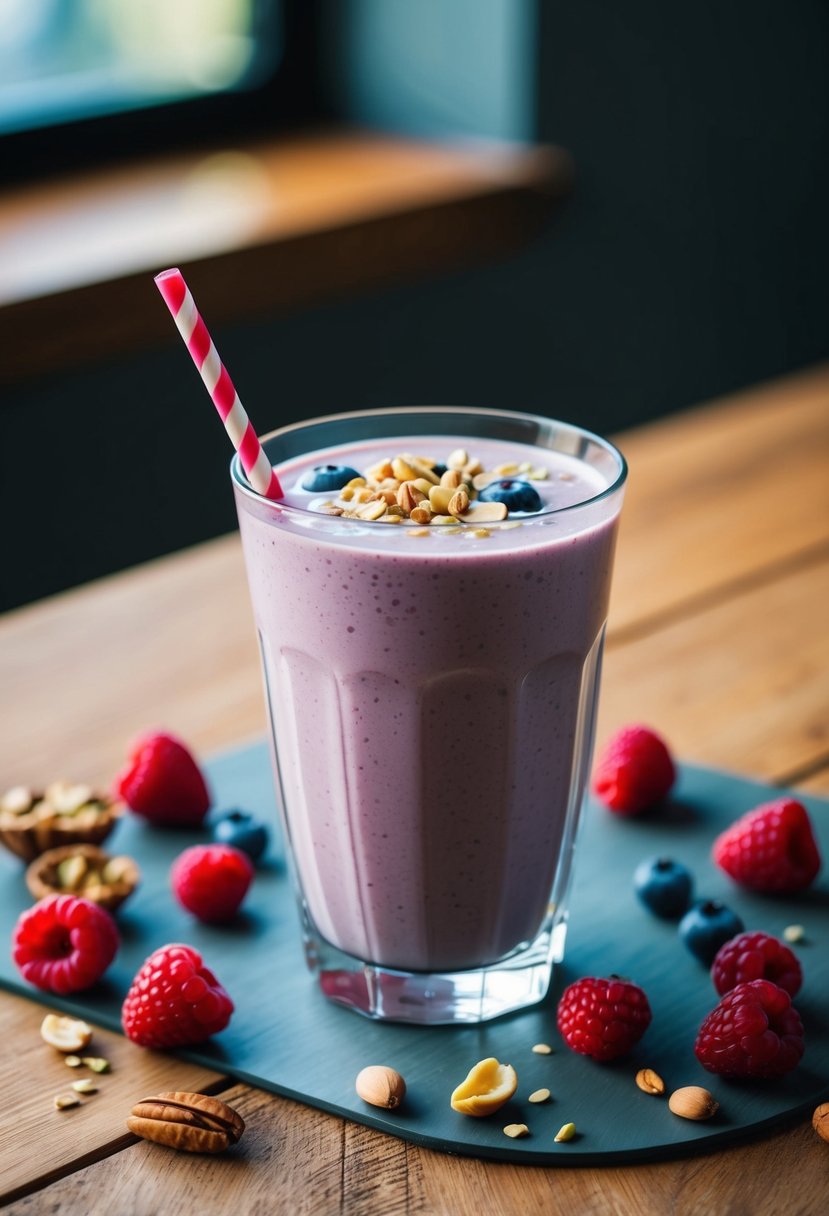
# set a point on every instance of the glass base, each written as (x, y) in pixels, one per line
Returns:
(440, 998)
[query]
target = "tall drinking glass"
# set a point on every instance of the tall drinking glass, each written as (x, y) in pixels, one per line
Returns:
(431, 692)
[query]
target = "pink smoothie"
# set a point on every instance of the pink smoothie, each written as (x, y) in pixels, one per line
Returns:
(429, 697)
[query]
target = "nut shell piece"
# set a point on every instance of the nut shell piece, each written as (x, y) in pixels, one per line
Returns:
(105, 880)
(66, 1034)
(820, 1121)
(486, 1088)
(32, 821)
(193, 1123)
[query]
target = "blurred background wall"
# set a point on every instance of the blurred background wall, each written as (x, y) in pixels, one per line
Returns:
(691, 259)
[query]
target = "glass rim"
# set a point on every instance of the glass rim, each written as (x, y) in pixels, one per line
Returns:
(241, 483)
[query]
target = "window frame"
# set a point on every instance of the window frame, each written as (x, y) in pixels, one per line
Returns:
(289, 99)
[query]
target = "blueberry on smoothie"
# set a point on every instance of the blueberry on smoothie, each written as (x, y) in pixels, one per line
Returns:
(243, 831)
(514, 492)
(663, 885)
(706, 927)
(326, 477)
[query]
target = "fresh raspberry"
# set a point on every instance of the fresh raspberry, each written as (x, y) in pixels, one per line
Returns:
(211, 880)
(64, 944)
(756, 956)
(755, 1031)
(770, 849)
(603, 1018)
(634, 771)
(174, 1001)
(163, 783)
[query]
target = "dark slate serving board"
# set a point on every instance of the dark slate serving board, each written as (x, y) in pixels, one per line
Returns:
(286, 1037)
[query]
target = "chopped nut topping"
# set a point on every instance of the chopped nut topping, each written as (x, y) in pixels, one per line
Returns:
(407, 487)
(543, 1049)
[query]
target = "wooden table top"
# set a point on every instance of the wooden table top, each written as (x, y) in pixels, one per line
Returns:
(717, 637)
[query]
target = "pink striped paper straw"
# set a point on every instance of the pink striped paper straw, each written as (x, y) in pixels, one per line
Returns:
(192, 328)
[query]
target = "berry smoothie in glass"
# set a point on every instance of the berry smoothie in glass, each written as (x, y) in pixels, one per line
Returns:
(430, 595)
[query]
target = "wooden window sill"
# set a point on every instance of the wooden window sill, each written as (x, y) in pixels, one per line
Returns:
(270, 227)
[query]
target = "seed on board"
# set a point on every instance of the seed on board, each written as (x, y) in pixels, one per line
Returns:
(380, 1086)
(539, 1095)
(72, 1061)
(794, 933)
(66, 1101)
(96, 1063)
(85, 1086)
(649, 1081)
(543, 1049)
(693, 1102)
(516, 1130)
(567, 1132)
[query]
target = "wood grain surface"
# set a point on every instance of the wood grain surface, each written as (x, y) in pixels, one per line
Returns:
(717, 636)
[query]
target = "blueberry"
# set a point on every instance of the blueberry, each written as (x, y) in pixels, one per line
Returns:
(707, 926)
(514, 492)
(439, 469)
(243, 831)
(664, 886)
(326, 477)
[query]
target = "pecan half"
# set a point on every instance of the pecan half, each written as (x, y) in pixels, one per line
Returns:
(194, 1123)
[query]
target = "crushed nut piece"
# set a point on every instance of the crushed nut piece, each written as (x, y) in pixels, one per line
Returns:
(451, 478)
(515, 1130)
(794, 933)
(72, 1061)
(85, 1086)
(543, 1049)
(567, 1132)
(539, 1095)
